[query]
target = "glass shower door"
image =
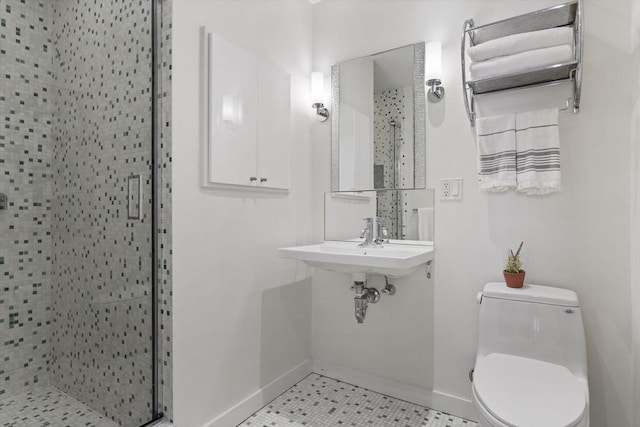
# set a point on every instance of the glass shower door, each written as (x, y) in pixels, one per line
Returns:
(76, 231)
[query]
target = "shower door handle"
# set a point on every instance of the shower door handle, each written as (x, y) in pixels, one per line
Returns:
(134, 197)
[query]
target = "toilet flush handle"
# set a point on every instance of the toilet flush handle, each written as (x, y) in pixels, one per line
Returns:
(479, 297)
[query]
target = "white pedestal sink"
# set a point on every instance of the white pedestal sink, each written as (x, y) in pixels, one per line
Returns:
(393, 260)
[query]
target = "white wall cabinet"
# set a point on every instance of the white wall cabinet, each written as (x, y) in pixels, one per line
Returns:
(248, 133)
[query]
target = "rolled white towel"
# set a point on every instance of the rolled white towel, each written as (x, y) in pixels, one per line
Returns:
(519, 62)
(425, 224)
(496, 138)
(522, 42)
(538, 152)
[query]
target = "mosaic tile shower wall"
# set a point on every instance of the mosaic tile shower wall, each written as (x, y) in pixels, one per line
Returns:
(102, 265)
(164, 193)
(75, 273)
(26, 107)
(397, 105)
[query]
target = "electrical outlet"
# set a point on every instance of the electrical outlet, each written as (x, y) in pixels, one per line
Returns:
(446, 189)
(451, 189)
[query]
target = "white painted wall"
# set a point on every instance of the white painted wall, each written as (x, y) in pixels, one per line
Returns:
(635, 207)
(395, 341)
(241, 314)
(578, 239)
(344, 213)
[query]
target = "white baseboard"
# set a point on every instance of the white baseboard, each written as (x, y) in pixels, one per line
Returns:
(244, 409)
(430, 398)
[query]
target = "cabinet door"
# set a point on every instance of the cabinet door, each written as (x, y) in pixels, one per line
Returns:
(274, 128)
(232, 109)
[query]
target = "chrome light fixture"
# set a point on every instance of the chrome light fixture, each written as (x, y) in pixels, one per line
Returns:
(433, 72)
(317, 95)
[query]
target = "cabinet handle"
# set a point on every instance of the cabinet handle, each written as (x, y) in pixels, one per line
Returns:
(263, 179)
(252, 178)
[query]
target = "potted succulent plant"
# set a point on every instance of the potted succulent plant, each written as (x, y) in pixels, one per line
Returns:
(513, 272)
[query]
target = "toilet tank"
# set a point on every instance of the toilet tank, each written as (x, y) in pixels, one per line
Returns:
(538, 322)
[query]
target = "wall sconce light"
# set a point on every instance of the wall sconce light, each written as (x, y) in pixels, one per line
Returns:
(228, 109)
(433, 72)
(231, 110)
(317, 95)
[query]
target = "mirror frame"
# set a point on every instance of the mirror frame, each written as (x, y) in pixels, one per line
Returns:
(419, 122)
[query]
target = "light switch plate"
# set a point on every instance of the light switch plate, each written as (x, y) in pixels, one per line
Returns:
(451, 189)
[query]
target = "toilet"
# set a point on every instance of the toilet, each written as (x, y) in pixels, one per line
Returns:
(531, 365)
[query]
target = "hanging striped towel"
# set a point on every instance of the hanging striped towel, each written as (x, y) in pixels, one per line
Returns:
(538, 152)
(496, 138)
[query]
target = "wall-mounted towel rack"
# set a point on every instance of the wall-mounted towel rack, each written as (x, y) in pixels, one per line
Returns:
(562, 15)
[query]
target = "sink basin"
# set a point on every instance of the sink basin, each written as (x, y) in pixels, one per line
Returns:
(347, 257)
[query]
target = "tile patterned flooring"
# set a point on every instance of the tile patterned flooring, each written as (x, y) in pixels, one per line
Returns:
(48, 406)
(319, 401)
(316, 401)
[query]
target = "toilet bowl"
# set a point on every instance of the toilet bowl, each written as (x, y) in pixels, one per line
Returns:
(531, 365)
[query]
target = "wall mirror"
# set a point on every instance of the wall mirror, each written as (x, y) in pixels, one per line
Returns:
(378, 121)
(407, 214)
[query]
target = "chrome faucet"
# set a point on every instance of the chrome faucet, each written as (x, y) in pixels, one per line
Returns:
(369, 234)
(382, 235)
(374, 233)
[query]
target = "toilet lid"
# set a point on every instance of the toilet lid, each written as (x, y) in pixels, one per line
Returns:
(525, 392)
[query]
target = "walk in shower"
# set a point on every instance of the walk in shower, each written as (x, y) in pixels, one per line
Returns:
(393, 157)
(395, 137)
(78, 171)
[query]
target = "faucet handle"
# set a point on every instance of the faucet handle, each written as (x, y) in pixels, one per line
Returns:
(367, 232)
(368, 227)
(383, 233)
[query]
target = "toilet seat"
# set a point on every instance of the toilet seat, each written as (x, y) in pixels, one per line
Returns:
(523, 392)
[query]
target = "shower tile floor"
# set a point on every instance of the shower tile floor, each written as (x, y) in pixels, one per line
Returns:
(50, 407)
(318, 401)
